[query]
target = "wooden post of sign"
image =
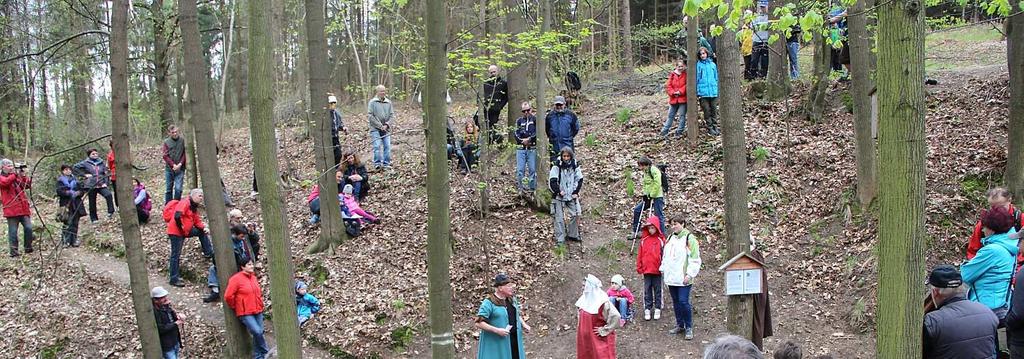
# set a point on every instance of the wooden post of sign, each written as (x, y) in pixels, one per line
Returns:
(743, 277)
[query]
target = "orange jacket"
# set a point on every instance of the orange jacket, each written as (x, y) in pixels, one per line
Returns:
(676, 83)
(111, 165)
(244, 295)
(189, 219)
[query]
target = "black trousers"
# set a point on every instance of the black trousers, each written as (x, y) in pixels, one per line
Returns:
(92, 202)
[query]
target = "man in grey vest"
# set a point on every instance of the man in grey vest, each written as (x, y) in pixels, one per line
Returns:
(957, 328)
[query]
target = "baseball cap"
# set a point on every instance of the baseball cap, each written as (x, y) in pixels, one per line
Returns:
(158, 292)
(945, 276)
(502, 279)
(559, 100)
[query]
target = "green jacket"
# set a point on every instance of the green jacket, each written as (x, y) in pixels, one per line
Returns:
(652, 183)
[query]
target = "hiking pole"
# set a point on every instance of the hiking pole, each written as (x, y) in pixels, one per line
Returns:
(579, 224)
(636, 230)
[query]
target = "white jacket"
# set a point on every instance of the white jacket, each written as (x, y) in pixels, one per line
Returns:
(679, 259)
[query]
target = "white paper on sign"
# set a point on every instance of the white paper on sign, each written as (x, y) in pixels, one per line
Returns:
(752, 281)
(734, 282)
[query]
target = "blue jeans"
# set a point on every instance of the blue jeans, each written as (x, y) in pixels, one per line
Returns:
(672, 111)
(211, 278)
(659, 206)
(794, 68)
(12, 233)
(622, 304)
(314, 206)
(254, 323)
(176, 243)
(681, 305)
(173, 353)
(381, 148)
(526, 169)
(174, 182)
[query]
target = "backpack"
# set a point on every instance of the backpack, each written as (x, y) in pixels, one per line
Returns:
(663, 168)
(572, 81)
(168, 213)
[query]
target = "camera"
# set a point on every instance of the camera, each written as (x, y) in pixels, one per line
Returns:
(20, 166)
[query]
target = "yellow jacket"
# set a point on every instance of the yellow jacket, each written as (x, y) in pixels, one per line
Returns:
(746, 41)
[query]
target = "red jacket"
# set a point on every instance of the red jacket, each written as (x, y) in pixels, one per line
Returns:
(111, 165)
(13, 196)
(189, 219)
(676, 83)
(974, 244)
(648, 259)
(244, 295)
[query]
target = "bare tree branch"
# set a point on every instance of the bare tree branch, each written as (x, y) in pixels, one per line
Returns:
(55, 44)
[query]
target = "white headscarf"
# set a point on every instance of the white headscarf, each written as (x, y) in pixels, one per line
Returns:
(593, 296)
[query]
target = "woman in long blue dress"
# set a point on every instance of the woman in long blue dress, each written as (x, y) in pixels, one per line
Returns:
(500, 323)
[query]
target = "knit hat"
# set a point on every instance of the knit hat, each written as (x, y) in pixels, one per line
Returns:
(300, 285)
(347, 189)
(617, 279)
(158, 292)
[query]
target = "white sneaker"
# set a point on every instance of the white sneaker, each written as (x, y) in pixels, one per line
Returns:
(647, 314)
(657, 314)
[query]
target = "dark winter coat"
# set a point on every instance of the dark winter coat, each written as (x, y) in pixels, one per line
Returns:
(167, 327)
(70, 195)
(495, 93)
(562, 127)
(960, 329)
(356, 170)
(99, 171)
(13, 196)
(1015, 316)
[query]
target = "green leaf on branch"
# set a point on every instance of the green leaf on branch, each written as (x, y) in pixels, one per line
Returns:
(722, 10)
(716, 30)
(692, 7)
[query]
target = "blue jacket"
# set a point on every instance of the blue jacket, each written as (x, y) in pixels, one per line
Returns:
(988, 274)
(707, 78)
(526, 129)
(562, 127)
(307, 305)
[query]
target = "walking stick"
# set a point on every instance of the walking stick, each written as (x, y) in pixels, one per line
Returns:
(636, 230)
(579, 225)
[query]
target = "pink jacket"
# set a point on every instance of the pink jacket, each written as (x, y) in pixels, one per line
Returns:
(350, 202)
(313, 195)
(622, 293)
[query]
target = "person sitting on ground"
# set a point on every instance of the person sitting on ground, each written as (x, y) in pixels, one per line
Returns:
(707, 90)
(788, 350)
(354, 208)
(648, 265)
(244, 296)
(621, 297)
(469, 145)
(565, 180)
(314, 198)
(14, 200)
(988, 274)
(999, 196)
(598, 319)
(70, 195)
(730, 346)
(561, 127)
(652, 193)
(235, 218)
(168, 323)
(676, 89)
(958, 328)
(97, 179)
(680, 264)
(242, 254)
(354, 173)
(143, 204)
(526, 154)
(183, 221)
(306, 304)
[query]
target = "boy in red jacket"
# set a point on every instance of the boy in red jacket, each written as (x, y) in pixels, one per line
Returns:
(648, 264)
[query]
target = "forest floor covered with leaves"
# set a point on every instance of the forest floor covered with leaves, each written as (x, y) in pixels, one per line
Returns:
(819, 246)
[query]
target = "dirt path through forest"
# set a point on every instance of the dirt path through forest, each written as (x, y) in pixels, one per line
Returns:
(189, 296)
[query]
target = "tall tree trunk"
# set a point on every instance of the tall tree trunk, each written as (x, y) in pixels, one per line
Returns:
(517, 75)
(692, 102)
(261, 129)
(81, 77)
(135, 255)
(814, 105)
(737, 217)
(229, 41)
(161, 64)
(860, 61)
(196, 74)
(331, 229)
(627, 38)
(542, 159)
(1015, 140)
(902, 147)
(778, 64)
(439, 291)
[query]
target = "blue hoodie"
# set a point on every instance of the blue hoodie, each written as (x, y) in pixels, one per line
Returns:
(988, 274)
(707, 78)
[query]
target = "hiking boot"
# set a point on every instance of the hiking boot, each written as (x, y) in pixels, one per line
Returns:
(689, 334)
(15, 255)
(676, 330)
(178, 284)
(647, 314)
(573, 239)
(213, 297)
(29, 250)
(657, 314)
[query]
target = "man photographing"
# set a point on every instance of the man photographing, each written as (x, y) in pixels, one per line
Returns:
(13, 184)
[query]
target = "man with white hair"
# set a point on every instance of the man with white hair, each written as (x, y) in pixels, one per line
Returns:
(495, 99)
(598, 318)
(13, 184)
(380, 114)
(183, 222)
(732, 347)
(957, 328)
